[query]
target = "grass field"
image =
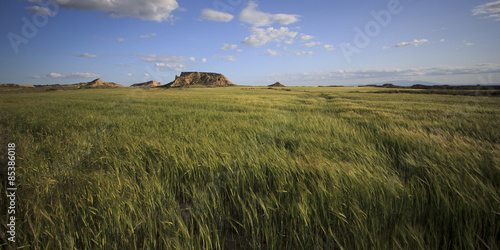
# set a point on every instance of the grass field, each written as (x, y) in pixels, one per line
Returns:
(250, 168)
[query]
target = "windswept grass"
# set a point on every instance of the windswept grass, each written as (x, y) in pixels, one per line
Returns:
(230, 168)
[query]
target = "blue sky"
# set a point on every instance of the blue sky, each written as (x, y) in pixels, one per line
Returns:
(298, 43)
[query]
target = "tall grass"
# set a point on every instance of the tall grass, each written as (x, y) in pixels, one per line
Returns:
(230, 168)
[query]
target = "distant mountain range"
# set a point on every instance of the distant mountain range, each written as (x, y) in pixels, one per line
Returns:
(149, 84)
(411, 83)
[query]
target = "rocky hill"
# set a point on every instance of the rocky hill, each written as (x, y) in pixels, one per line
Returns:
(277, 84)
(149, 84)
(187, 79)
(98, 83)
(13, 85)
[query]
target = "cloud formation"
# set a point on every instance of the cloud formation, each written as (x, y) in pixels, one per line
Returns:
(365, 73)
(166, 62)
(271, 52)
(148, 36)
(257, 18)
(171, 66)
(229, 46)
(153, 10)
(305, 37)
(261, 36)
(328, 47)
(119, 39)
(40, 10)
(311, 44)
(225, 58)
(489, 10)
(301, 53)
(87, 55)
(70, 75)
(467, 43)
(408, 44)
(216, 16)
(163, 58)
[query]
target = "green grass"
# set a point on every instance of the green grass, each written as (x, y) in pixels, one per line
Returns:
(475, 93)
(202, 168)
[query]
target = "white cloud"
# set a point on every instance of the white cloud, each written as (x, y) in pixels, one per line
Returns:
(311, 44)
(121, 64)
(146, 74)
(204, 60)
(490, 10)
(171, 66)
(442, 40)
(367, 73)
(217, 16)
(153, 10)
(70, 75)
(129, 74)
(301, 53)
(87, 55)
(229, 58)
(467, 43)
(120, 39)
(305, 37)
(408, 44)
(414, 43)
(229, 46)
(225, 58)
(329, 47)
(239, 50)
(41, 10)
(101, 38)
(260, 36)
(148, 35)
(258, 18)
(271, 52)
(165, 61)
(162, 58)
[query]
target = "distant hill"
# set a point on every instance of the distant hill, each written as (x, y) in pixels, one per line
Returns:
(188, 79)
(403, 83)
(408, 83)
(98, 83)
(13, 85)
(436, 86)
(277, 84)
(149, 84)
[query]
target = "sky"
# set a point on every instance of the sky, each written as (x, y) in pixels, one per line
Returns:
(298, 43)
